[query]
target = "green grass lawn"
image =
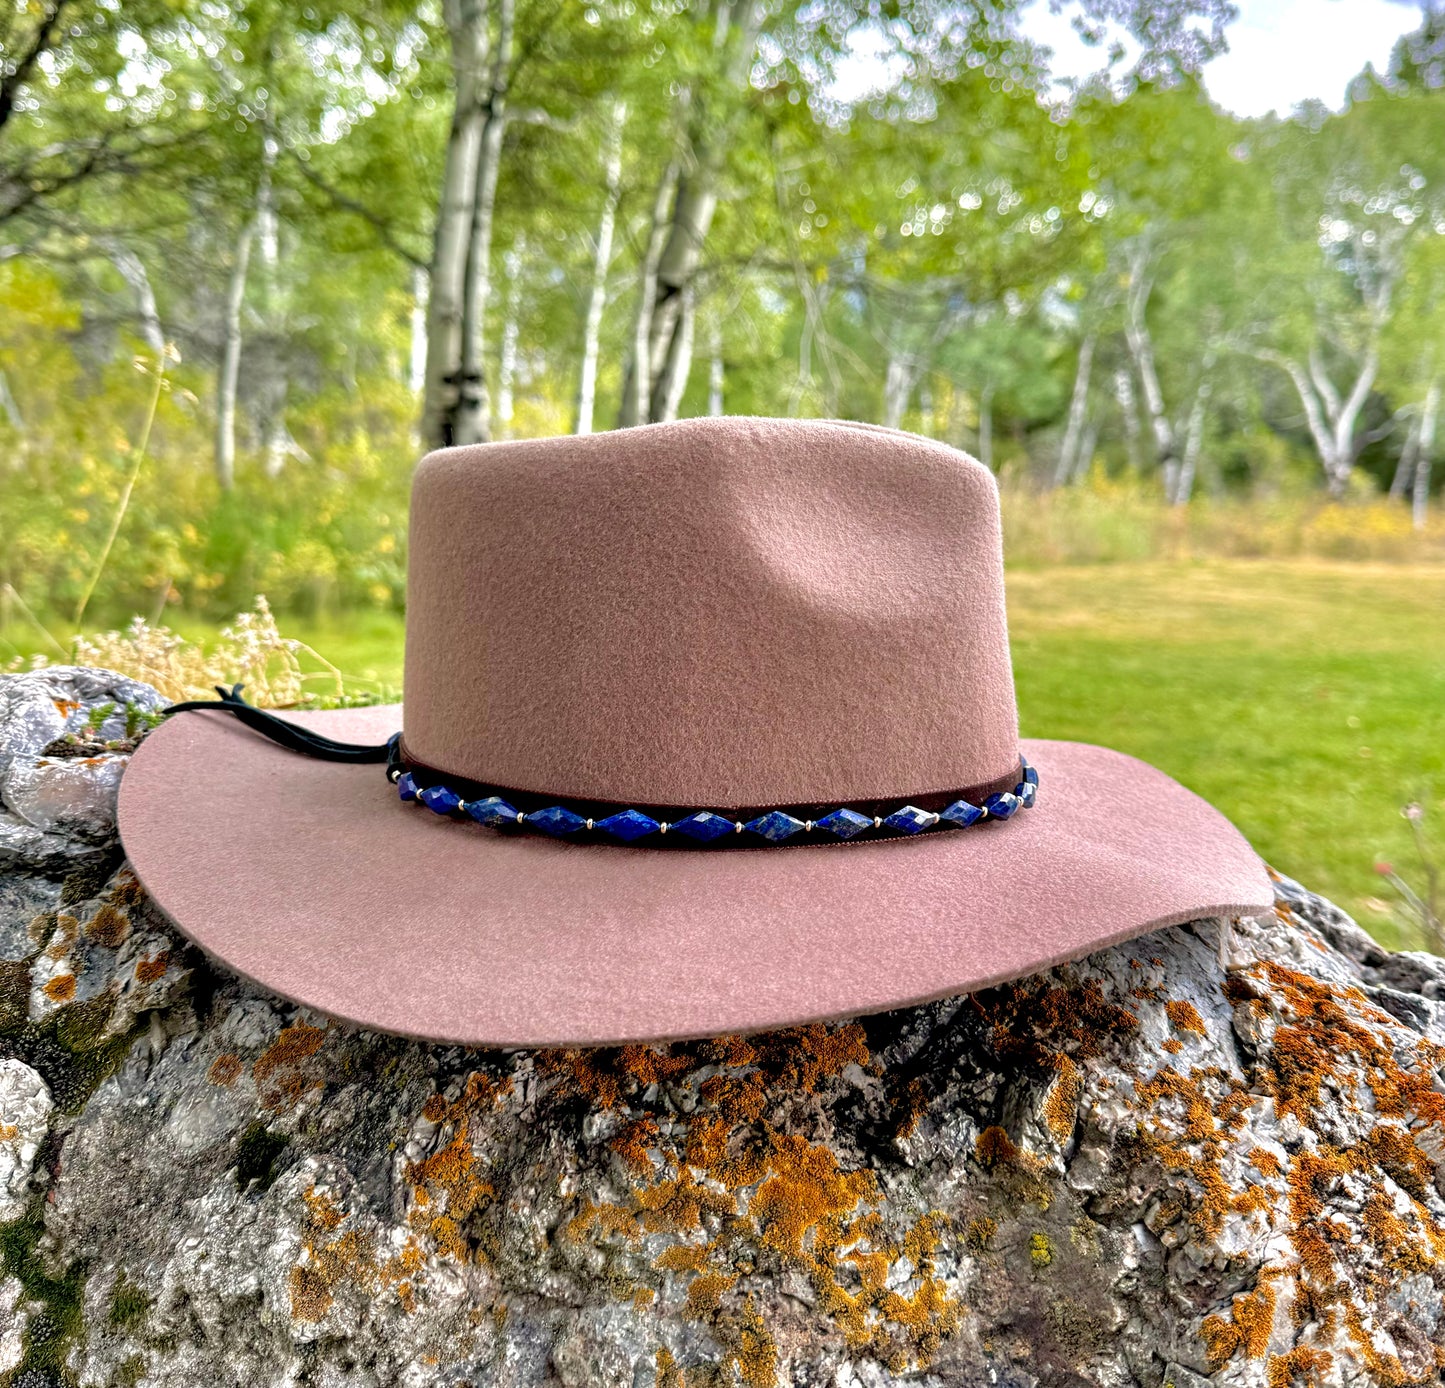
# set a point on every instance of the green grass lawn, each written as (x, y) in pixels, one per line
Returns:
(1306, 699)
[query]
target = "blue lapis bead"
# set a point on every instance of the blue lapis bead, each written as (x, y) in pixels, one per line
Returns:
(629, 825)
(911, 820)
(1002, 805)
(705, 826)
(556, 819)
(1027, 792)
(493, 810)
(775, 826)
(1031, 777)
(846, 824)
(440, 800)
(406, 786)
(961, 814)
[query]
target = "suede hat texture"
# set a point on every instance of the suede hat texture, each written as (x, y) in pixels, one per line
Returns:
(712, 613)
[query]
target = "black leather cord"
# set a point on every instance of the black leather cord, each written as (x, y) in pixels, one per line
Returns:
(291, 735)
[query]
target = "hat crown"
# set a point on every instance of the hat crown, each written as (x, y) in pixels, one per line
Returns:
(713, 612)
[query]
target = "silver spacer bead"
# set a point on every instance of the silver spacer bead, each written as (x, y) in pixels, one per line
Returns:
(521, 815)
(877, 821)
(393, 776)
(663, 827)
(737, 826)
(590, 825)
(808, 826)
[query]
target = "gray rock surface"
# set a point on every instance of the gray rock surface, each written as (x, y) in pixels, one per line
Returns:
(1213, 1155)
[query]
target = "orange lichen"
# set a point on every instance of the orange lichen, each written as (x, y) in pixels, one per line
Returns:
(1173, 1046)
(67, 929)
(61, 988)
(1061, 1103)
(1185, 1016)
(994, 1147)
(8, 1132)
(1303, 1366)
(278, 1070)
(705, 1291)
(1266, 1163)
(109, 927)
(980, 1232)
(149, 970)
(225, 1069)
(633, 1142)
(1248, 1329)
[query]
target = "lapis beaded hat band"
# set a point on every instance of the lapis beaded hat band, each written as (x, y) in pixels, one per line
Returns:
(507, 809)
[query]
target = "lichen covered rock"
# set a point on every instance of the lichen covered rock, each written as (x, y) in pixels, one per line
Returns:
(1213, 1155)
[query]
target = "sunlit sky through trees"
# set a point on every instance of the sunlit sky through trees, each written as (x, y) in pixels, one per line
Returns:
(1281, 52)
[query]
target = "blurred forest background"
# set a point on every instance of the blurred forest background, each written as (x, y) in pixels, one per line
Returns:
(255, 256)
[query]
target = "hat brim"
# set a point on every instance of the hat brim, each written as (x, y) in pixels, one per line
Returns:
(312, 879)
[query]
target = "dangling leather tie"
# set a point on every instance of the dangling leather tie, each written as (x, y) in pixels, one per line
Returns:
(289, 735)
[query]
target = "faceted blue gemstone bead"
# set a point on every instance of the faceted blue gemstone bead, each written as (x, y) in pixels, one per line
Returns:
(846, 824)
(911, 820)
(629, 825)
(704, 826)
(405, 786)
(775, 826)
(961, 814)
(1002, 805)
(1031, 777)
(440, 800)
(1027, 792)
(556, 819)
(493, 810)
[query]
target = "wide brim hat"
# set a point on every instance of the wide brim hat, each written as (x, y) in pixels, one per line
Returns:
(715, 621)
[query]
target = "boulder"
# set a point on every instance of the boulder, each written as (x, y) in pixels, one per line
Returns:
(1215, 1154)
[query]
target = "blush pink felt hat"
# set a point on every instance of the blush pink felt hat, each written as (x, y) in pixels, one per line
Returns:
(721, 624)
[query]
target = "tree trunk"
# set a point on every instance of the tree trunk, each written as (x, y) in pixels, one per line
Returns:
(473, 416)
(511, 332)
(669, 326)
(669, 337)
(1141, 348)
(897, 387)
(715, 371)
(9, 408)
(466, 25)
(133, 272)
(420, 295)
(1193, 439)
(637, 385)
(672, 378)
(601, 261)
(1078, 406)
(1405, 467)
(230, 373)
(1420, 500)
(1129, 408)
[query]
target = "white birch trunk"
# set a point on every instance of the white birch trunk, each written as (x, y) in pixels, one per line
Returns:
(473, 416)
(511, 333)
(1420, 498)
(601, 262)
(230, 372)
(897, 387)
(466, 26)
(420, 287)
(715, 371)
(1078, 407)
(1141, 348)
(637, 386)
(133, 272)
